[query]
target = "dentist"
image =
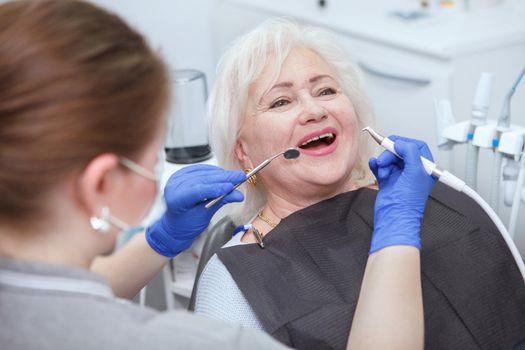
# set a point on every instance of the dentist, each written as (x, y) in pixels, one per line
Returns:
(82, 102)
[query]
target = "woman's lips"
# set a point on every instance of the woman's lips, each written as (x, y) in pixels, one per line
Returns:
(320, 151)
(317, 133)
(322, 148)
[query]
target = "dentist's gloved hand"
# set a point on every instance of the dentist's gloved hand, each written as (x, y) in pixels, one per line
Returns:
(185, 217)
(404, 186)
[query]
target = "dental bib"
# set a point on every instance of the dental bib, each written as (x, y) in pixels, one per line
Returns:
(305, 284)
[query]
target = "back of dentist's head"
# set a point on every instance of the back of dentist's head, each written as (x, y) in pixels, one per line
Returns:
(239, 67)
(75, 82)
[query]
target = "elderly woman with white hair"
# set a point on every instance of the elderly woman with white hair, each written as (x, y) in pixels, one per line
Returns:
(330, 238)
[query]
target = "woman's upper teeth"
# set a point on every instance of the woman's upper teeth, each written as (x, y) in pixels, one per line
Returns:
(328, 134)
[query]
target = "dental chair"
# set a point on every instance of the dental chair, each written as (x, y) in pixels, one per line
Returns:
(218, 235)
(520, 345)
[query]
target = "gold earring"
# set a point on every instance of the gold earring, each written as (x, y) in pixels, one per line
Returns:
(253, 179)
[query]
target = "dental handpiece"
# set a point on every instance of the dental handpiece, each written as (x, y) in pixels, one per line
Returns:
(290, 153)
(430, 167)
(459, 185)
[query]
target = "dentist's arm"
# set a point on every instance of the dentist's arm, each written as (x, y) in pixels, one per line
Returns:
(389, 313)
(130, 268)
(133, 266)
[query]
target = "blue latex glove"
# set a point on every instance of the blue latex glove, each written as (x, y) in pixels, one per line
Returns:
(185, 217)
(404, 187)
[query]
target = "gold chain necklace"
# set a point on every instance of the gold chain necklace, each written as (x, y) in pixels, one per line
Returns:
(266, 219)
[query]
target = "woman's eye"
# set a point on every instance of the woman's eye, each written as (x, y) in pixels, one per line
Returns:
(327, 91)
(279, 103)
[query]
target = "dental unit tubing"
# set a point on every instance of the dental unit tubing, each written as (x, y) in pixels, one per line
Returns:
(504, 118)
(517, 198)
(510, 177)
(459, 185)
(480, 108)
(495, 182)
(484, 138)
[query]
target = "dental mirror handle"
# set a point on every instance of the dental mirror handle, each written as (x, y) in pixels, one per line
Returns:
(213, 201)
(250, 174)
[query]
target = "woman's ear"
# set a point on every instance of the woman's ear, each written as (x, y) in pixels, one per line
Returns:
(240, 151)
(94, 183)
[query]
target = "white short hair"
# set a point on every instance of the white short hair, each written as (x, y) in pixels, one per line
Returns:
(242, 64)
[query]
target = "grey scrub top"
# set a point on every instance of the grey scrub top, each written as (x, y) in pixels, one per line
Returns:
(56, 307)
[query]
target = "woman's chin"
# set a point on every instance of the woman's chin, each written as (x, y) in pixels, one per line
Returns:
(327, 177)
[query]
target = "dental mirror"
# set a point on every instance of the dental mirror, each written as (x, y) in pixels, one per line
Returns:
(289, 154)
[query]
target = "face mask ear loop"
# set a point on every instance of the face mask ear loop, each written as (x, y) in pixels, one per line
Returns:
(121, 225)
(103, 223)
(138, 169)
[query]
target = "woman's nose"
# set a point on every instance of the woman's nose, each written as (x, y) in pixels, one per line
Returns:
(311, 111)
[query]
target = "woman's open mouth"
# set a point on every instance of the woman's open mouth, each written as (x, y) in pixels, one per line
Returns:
(319, 144)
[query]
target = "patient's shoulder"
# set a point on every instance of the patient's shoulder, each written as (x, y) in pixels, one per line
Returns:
(218, 296)
(463, 204)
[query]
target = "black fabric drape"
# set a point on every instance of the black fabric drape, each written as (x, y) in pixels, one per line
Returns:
(304, 286)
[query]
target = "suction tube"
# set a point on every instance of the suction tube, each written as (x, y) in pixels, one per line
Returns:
(480, 107)
(471, 172)
(517, 198)
(460, 186)
(495, 183)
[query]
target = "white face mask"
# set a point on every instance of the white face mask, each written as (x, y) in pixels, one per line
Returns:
(104, 223)
(158, 206)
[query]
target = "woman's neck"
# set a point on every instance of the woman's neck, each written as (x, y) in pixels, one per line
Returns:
(44, 246)
(281, 204)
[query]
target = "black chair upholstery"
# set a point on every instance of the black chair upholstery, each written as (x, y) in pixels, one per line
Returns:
(520, 345)
(218, 235)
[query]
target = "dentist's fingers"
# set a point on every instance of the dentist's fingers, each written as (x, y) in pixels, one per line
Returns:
(189, 196)
(387, 158)
(410, 152)
(383, 172)
(423, 147)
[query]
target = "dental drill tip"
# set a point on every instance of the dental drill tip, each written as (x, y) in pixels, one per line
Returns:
(292, 153)
(377, 137)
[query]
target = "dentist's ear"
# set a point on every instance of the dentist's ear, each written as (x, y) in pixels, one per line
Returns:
(240, 151)
(96, 181)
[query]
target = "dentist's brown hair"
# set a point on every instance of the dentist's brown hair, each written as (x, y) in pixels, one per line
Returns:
(75, 82)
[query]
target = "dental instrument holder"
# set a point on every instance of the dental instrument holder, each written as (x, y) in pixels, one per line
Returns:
(444, 118)
(290, 153)
(187, 134)
(459, 185)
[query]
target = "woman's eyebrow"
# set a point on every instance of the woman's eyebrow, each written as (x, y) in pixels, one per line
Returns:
(288, 84)
(285, 84)
(319, 77)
